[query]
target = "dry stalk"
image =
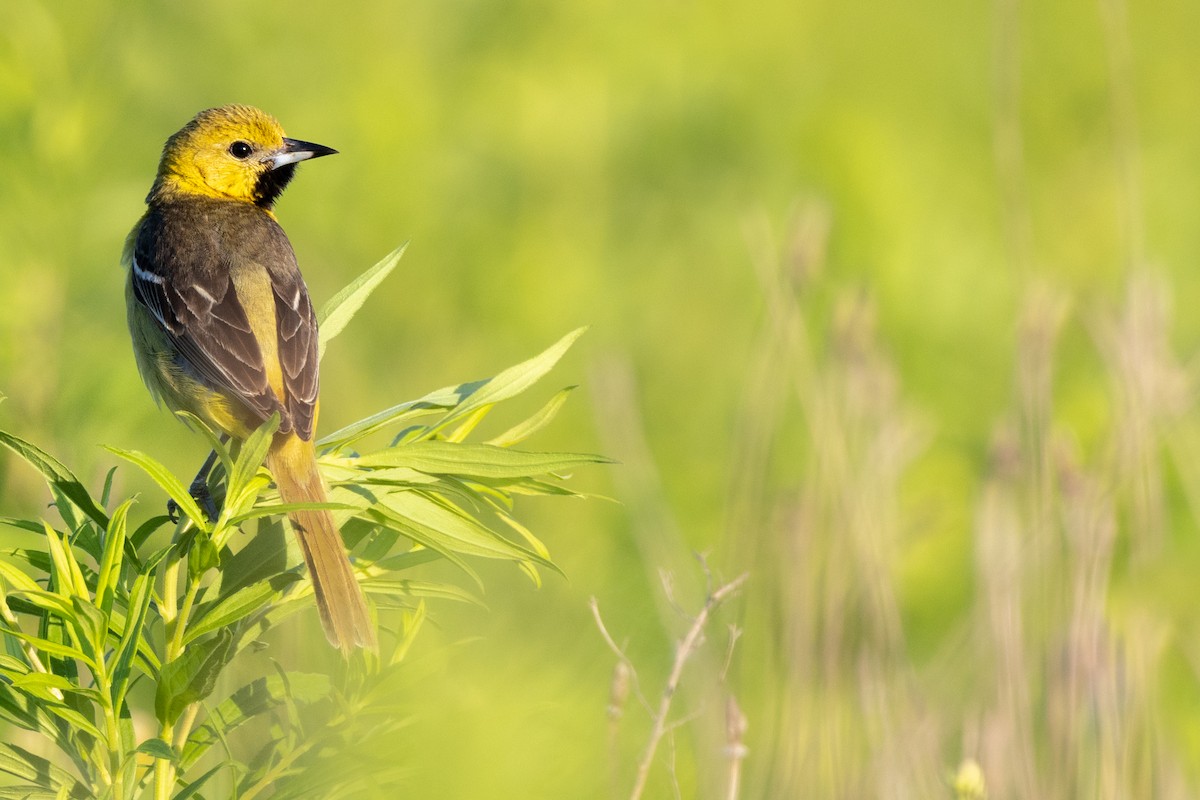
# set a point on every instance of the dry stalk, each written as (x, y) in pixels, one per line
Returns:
(684, 650)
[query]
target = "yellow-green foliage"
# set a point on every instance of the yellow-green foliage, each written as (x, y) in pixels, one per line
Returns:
(898, 294)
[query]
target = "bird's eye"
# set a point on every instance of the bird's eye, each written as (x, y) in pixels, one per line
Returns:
(240, 150)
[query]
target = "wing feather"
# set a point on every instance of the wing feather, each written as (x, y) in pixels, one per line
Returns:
(182, 260)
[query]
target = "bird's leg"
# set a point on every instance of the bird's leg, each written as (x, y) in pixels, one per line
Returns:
(199, 490)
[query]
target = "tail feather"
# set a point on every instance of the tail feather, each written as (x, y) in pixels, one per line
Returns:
(340, 599)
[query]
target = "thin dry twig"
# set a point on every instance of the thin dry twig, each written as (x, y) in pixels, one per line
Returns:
(683, 652)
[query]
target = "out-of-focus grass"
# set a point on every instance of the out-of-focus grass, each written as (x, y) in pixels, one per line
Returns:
(989, 380)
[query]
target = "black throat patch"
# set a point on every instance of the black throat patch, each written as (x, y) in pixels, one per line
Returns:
(271, 184)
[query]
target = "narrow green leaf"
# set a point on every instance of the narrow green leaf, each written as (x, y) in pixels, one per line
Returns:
(157, 748)
(25, 765)
(67, 577)
(16, 578)
(250, 457)
(56, 604)
(191, 677)
(281, 509)
(57, 475)
(91, 628)
(264, 554)
(108, 484)
(167, 482)
(403, 561)
(543, 417)
(110, 562)
(477, 460)
(336, 313)
(442, 399)
(145, 531)
(412, 622)
(22, 711)
(12, 665)
(413, 589)
(75, 719)
(214, 440)
(250, 701)
(534, 542)
(53, 648)
(399, 476)
(426, 537)
(122, 657)
(31, 525)
(516, 379)
(239, 605)
(29, 791)
(44, 684)
(191, 789)
(469, 424)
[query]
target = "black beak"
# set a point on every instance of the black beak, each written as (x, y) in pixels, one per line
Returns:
(294, 151)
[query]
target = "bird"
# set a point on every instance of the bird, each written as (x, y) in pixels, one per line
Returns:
(223, 327)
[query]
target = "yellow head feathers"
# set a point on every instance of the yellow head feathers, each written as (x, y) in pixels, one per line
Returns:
(234, 152)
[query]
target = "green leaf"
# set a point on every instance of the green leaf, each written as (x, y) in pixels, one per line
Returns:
(157, 748)
(191, 677)
(242, 603)
(192, 788)
(57, 475)
(514, 380)
(110, 562)
(477, 460)
(413, 620)
(543, 417)
(468, 425)
(56, 604)
(31, 525)
(263, 555)
(74, 719)
(214, 441)
(145, 531)
(252, 700)
(426, 537)
(44, 684)
(413, 589)
(16, 578)
(250, 457)
(108, 484)
(32, 792)
(281, 509)
(167, 482)
(68, 579)
(91, 628)
(131, 636)
(441, 399)
(454, 529)
(25, 765)
(336, 313)
(53, 648)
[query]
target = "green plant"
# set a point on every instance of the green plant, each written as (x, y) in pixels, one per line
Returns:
(104, 621)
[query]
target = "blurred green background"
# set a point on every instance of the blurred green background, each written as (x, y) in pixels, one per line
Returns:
(796, 229)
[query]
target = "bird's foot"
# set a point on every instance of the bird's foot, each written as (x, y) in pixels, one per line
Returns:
(202, 495)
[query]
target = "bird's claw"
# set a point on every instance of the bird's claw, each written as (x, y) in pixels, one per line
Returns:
(203, 497)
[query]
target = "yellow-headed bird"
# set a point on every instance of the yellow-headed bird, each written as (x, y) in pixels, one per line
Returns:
(223, 327)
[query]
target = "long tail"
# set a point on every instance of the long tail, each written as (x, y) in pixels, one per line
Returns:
(340, 600)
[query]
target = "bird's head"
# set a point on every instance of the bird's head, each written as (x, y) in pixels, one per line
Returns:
(234, 153)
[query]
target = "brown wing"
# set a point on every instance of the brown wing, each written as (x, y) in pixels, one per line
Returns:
(297, 326)
(182, 259)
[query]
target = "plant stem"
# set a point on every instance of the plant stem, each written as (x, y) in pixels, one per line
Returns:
(175, 647)
(113, 732)
(682, 653)
(164, 770)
